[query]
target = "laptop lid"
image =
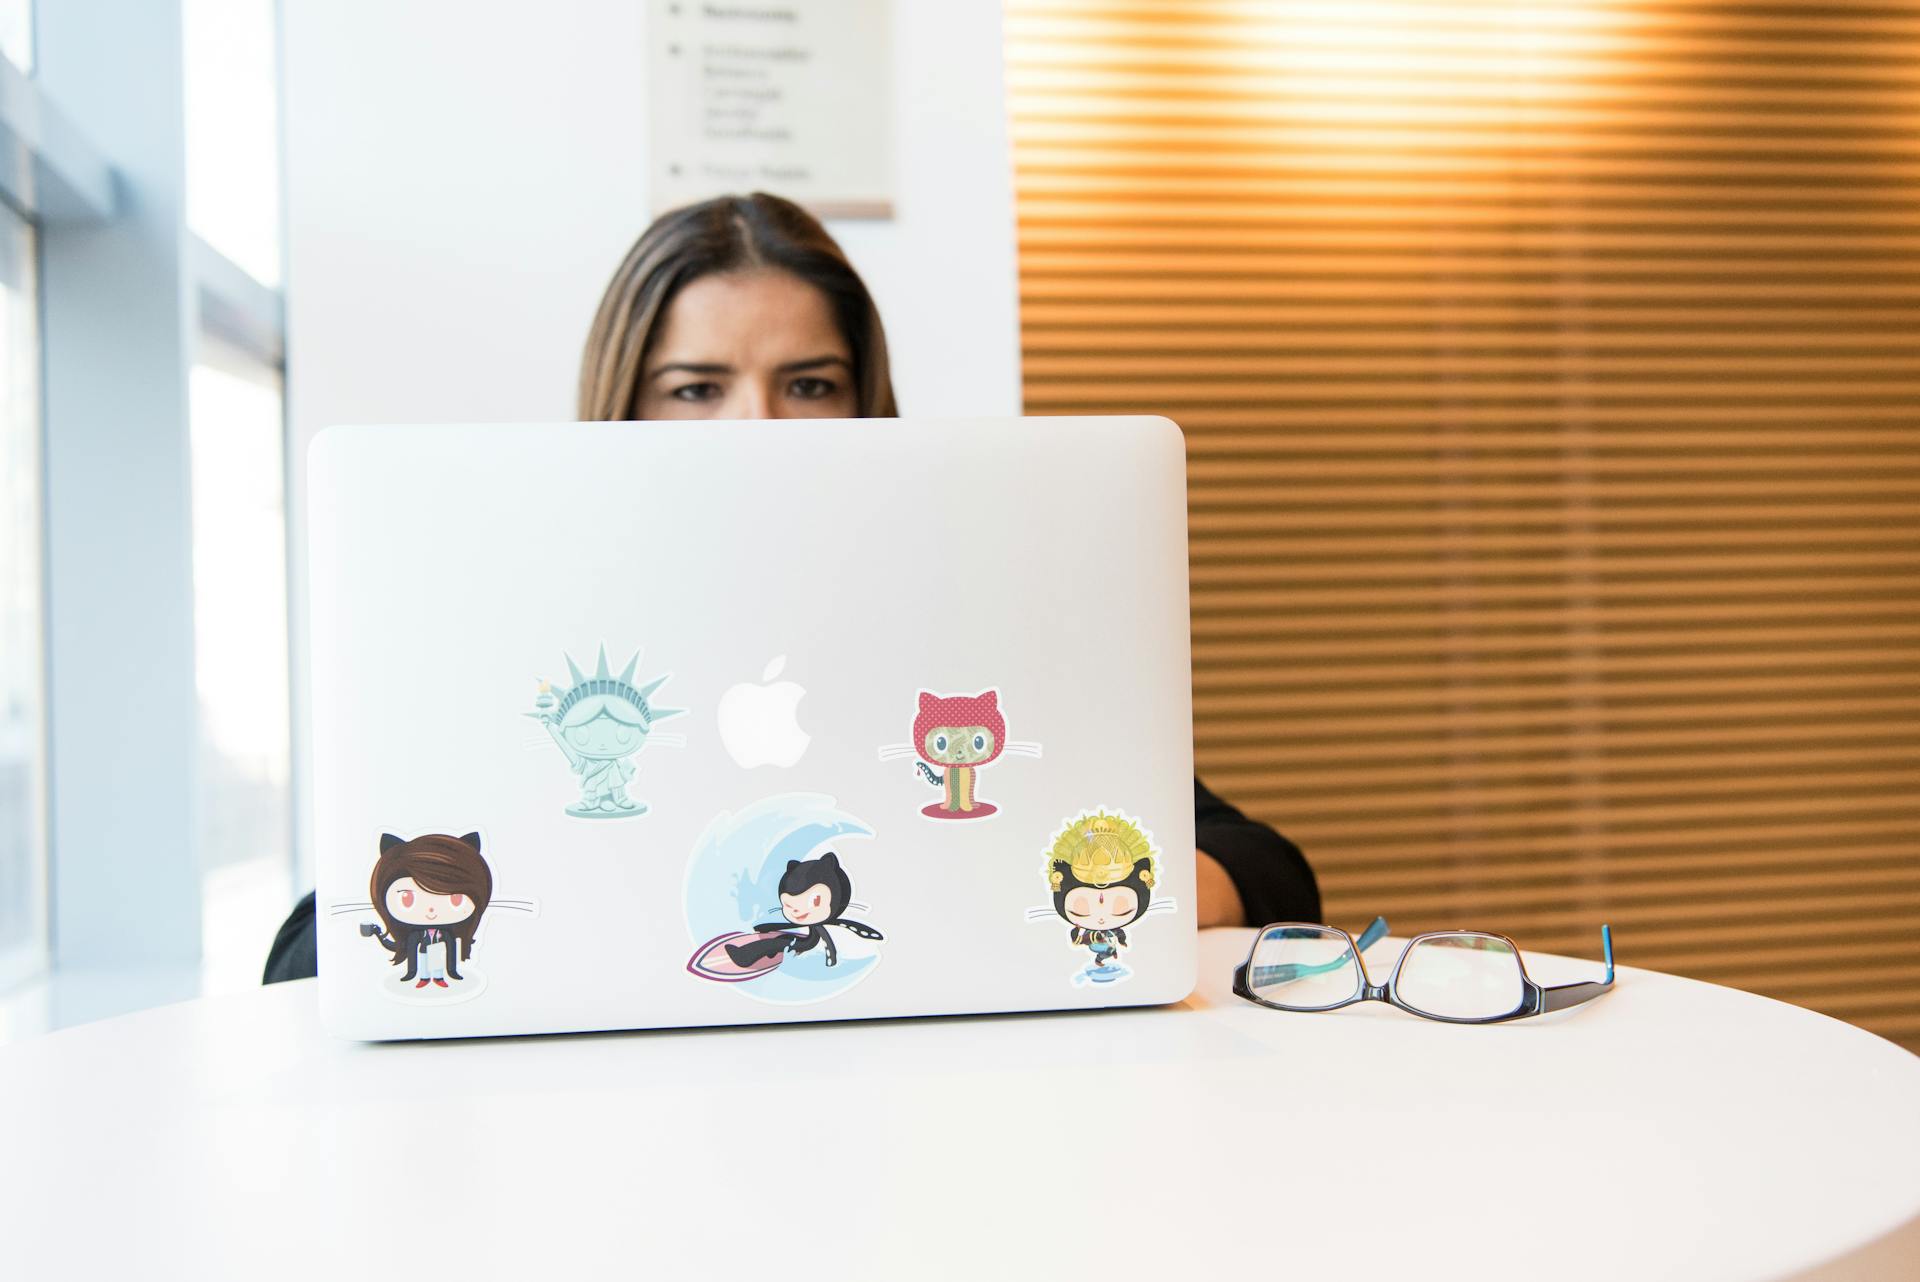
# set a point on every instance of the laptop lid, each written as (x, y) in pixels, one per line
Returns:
(652, 724)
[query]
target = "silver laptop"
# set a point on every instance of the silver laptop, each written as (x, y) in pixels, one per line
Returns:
(654, 725)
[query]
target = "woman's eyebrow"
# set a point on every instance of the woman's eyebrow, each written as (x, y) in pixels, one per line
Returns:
(690, 367)
(794, 367)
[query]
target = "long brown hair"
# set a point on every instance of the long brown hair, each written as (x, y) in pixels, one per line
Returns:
(725, 234)
(438, 863)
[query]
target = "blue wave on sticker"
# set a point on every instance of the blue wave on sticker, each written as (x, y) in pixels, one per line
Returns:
(733, 884)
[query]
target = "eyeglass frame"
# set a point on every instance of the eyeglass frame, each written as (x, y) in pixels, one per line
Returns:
(1536, 999)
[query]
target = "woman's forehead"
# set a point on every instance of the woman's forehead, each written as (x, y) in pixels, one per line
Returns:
(750, 319)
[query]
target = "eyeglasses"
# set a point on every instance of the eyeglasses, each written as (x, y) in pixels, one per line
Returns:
(1456, 976)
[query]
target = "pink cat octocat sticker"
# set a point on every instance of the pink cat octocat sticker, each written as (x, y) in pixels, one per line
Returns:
(955, 736)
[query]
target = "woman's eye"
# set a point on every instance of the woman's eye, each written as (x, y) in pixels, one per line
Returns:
(458, 900)
(696, 392)
(406, 899)
(811, 389)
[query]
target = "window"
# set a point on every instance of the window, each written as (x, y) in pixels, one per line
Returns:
(22, 667)
(240, 660)
(232, 840)
(233, 123)
(239, 494)
(16, 33)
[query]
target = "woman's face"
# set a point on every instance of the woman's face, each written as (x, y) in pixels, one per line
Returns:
(753, 344)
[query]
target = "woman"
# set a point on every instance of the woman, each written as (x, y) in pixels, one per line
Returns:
(743, 307)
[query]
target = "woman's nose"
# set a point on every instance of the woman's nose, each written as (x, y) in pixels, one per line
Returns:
(755, 401)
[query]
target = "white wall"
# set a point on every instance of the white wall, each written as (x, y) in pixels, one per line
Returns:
(464, 175)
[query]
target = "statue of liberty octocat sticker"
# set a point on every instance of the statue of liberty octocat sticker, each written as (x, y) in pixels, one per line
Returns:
(601, 723)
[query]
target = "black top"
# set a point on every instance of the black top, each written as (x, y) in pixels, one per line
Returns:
(1271, 874)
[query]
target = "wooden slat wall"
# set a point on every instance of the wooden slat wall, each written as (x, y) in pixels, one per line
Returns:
(1551, 376)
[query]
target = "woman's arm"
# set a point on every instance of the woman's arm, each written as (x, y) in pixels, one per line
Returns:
(1220, 903)
(1248, 874)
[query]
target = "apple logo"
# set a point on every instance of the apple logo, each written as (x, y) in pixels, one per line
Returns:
(757, 722)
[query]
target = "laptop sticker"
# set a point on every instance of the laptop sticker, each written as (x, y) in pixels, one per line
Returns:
(769, 902)
(955, 736)
(758, 725)
(600, 723)
(1101, 869)
(430, 895)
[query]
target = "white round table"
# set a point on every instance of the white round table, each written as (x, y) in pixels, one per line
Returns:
(1671, 1129)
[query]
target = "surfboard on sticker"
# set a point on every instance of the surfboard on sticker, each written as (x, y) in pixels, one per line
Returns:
(711, 961)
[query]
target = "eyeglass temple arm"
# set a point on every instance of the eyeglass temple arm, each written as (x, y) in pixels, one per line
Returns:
(1375, 932)
(1561, 996)
(1287, 972)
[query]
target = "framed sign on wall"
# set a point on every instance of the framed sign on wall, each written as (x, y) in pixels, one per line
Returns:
(789, 96)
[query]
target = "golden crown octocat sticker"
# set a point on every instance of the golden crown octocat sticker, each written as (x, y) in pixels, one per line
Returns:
(1102, 869)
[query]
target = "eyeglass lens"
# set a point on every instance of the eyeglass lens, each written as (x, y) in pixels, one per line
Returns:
(1461, 977)
(1303, 968)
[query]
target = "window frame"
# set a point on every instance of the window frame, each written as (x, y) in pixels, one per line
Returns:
(93, 218)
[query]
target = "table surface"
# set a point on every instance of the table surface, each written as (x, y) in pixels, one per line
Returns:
(1672, 1129)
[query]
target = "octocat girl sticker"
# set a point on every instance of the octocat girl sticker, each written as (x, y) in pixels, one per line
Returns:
(1102, 870)
(431, 895)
